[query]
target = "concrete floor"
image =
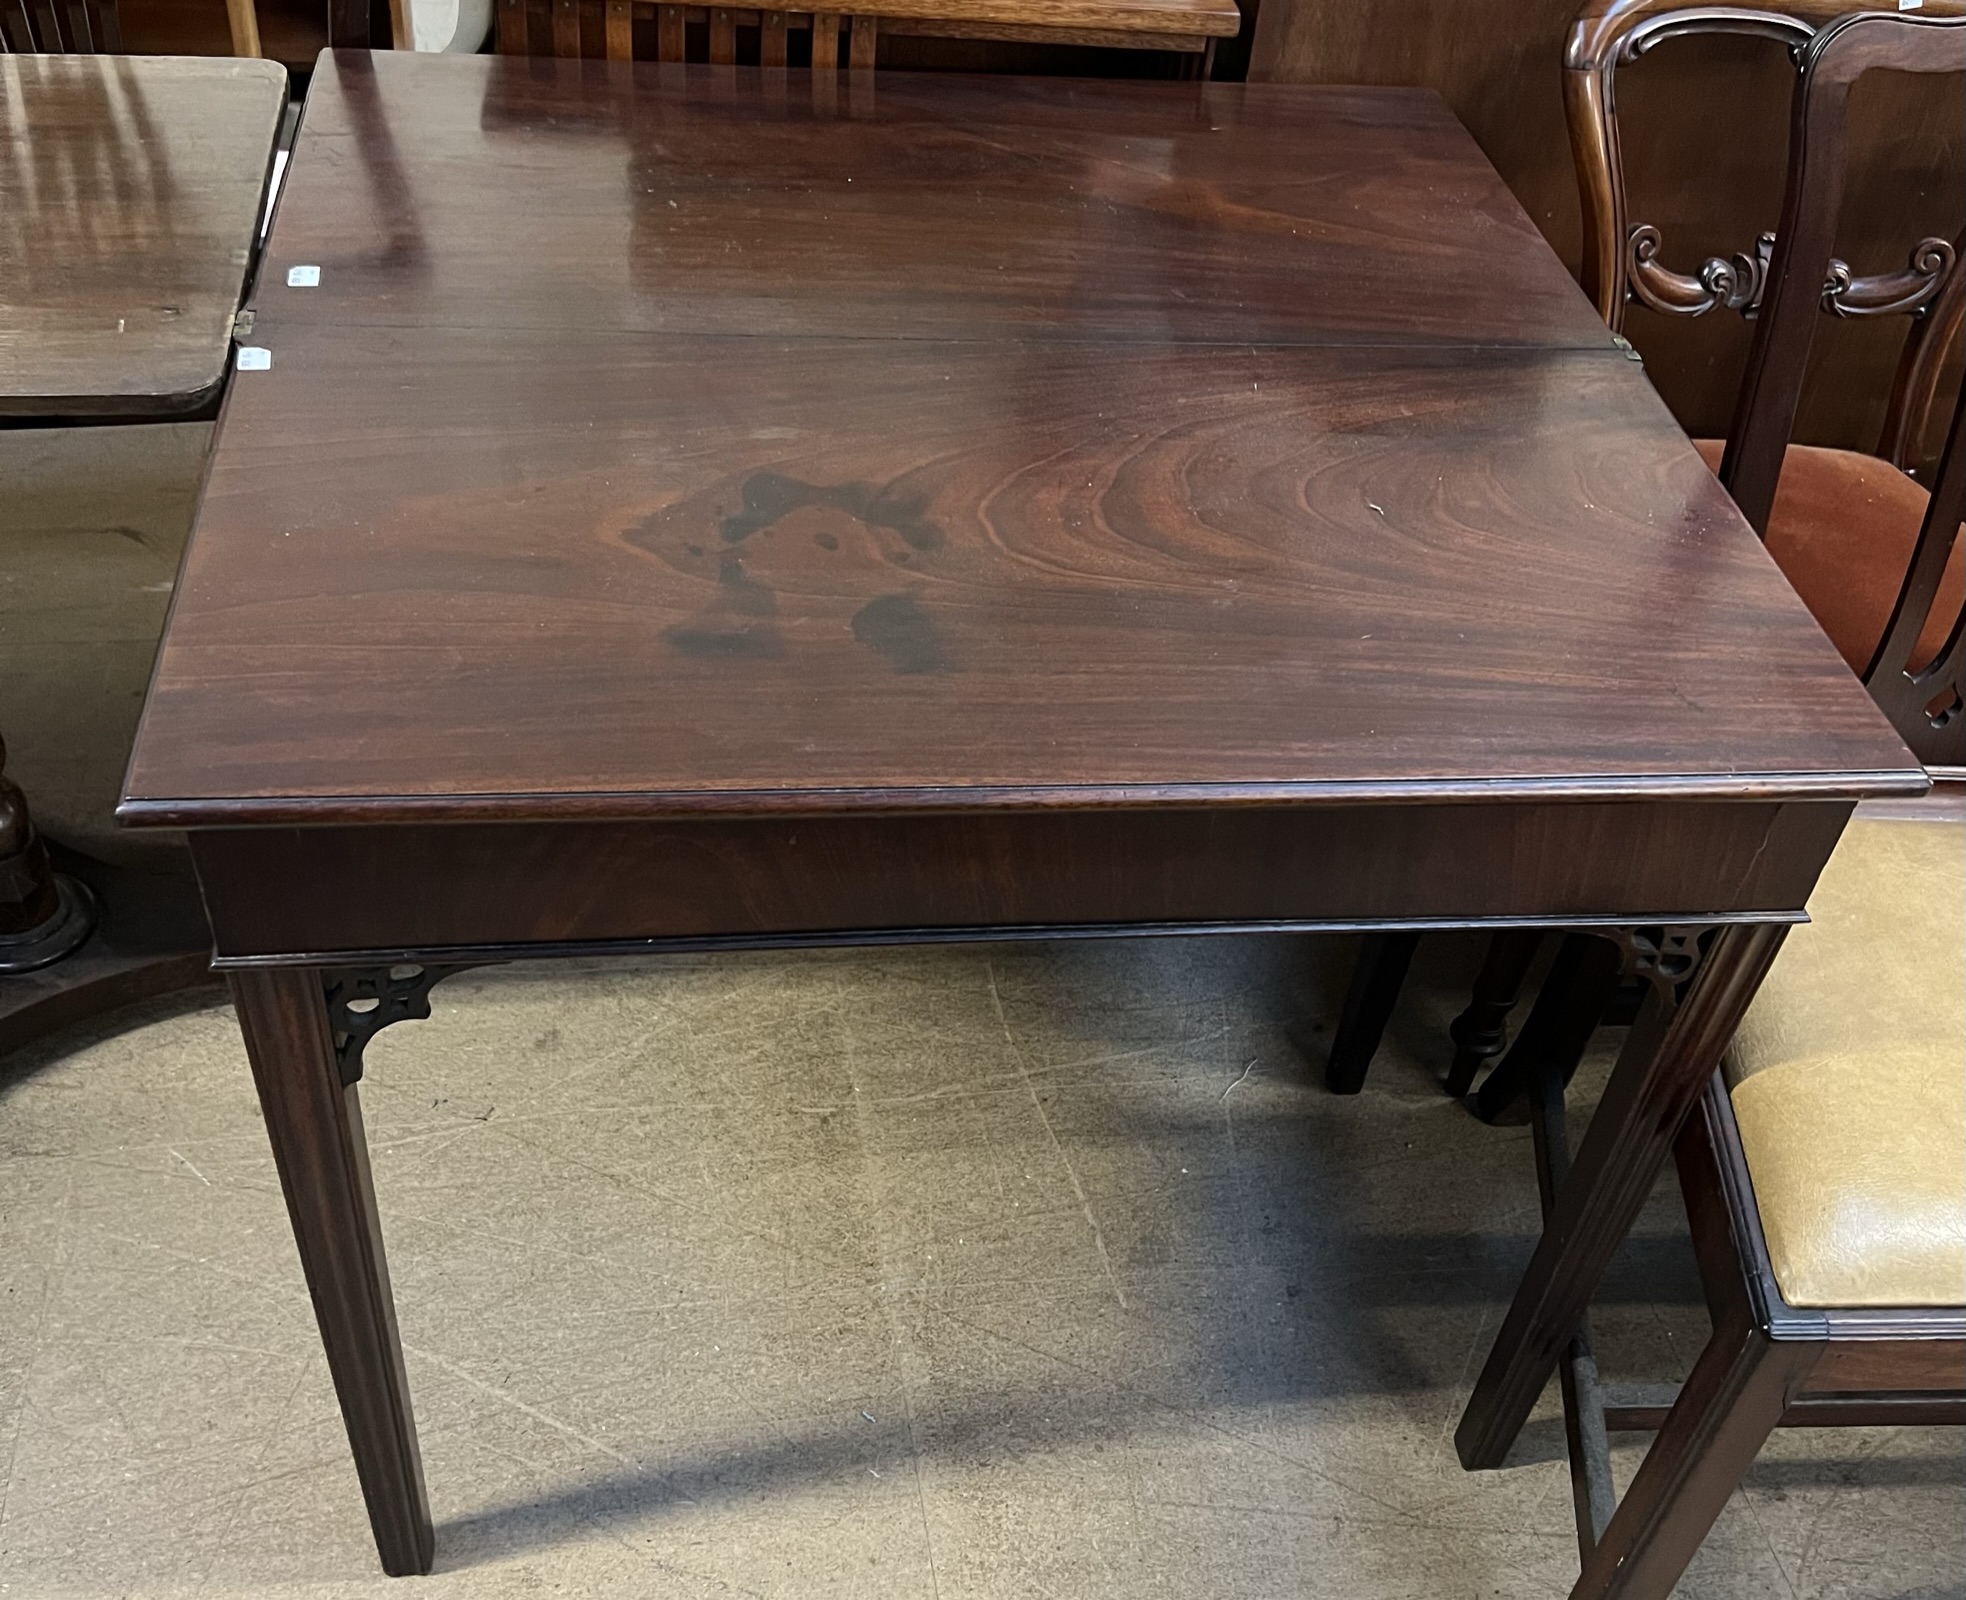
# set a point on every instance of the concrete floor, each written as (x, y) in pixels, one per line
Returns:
(1036, 1271)
(1042, 1270)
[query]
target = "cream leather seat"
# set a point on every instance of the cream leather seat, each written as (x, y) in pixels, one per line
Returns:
(1848, 1078)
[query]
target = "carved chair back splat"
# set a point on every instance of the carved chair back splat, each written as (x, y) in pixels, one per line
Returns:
(1923, 697)
(1623, 260)
(569, 27)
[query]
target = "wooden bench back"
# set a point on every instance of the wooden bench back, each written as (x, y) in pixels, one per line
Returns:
(623, 30)
(676, 32)
(56, 27)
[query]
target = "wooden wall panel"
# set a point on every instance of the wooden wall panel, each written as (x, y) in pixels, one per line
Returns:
(1706, 130)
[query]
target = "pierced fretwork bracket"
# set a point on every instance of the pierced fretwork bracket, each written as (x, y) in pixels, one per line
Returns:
(362, 1001)
(1665, 957)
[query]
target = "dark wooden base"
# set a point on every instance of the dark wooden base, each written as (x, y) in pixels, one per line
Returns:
(150, 939)
(57, 936)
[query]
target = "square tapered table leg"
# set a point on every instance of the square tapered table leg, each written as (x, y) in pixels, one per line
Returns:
(315, 1124)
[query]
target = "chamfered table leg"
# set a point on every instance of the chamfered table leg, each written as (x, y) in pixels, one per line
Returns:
(315, 1125)
(1671, 1052)
(1369, 1000)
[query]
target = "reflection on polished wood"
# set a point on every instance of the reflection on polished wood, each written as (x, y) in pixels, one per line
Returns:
(130, 192)
(684, 199)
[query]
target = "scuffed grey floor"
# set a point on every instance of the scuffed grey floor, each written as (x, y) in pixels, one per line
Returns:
(1014, 1271)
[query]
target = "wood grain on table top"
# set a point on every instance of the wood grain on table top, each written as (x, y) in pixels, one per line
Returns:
(537, 194)
(130, 192)
(656, 443)
(611, 573)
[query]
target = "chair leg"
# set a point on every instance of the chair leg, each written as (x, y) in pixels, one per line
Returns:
(1376, 981)
(1736, 1395)
(1481, 1033)
(1582, 979)
(242, 17)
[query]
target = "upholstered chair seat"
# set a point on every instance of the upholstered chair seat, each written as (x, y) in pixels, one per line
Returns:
(1848, 1078)
(1842, 530)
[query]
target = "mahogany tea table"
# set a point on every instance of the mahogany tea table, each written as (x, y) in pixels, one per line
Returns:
(699, 507)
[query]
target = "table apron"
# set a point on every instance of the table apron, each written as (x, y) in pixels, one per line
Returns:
(290, 894)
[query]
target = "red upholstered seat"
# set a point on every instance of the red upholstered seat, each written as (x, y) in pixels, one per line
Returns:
(1842, 532)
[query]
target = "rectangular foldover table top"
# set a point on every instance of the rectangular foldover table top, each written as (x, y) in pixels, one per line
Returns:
(668, 439)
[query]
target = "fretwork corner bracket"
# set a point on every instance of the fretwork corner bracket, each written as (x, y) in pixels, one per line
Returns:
(362, 1001)
(1666, 957)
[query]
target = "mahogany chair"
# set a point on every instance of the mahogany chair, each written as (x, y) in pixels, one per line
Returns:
(1840, 523)
(1824, 1173)
(848, 36)
(56, 27)
(1824, 1177)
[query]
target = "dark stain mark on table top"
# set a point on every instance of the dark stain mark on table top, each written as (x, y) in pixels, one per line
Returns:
(903, 632)
(770, 497)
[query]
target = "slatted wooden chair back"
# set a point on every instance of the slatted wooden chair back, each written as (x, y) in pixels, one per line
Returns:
(1624, 260)
(1927, 705)
(56, 27)
(623, 30)
(710, 33)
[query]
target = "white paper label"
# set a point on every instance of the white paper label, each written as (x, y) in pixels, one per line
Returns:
(254, 358)
(303, 277)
